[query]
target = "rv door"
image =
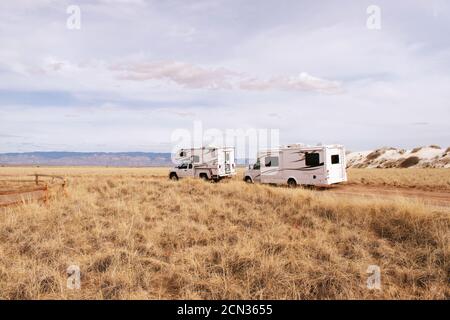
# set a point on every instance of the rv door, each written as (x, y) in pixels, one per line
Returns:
(227, 162)
(270, 168)
(335, 165)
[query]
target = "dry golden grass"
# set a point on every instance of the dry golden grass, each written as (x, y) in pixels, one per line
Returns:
(135, 234)
(424, 179)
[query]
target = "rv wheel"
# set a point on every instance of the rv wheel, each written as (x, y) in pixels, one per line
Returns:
(291, 183)
(248, 180)
(203, 176)
(173, 177)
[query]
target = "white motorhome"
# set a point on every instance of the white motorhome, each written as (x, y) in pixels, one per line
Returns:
(299, 165)
(209, 163)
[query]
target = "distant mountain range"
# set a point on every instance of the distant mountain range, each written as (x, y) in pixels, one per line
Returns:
(112, 159)
(126, 159)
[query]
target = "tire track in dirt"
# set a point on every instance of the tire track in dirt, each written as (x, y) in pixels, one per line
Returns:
(438, 198)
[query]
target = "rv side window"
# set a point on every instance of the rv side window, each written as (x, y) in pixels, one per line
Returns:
(312, 159)
(227, 156)
(195, 159)
(271, 162)
(334, 159)
(182, 154)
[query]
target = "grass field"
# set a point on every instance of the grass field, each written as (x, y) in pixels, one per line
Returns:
(135, 234)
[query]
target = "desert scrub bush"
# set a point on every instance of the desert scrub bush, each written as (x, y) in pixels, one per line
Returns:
(409, 162)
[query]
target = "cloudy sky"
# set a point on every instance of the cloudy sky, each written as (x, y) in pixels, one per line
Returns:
(136, 71)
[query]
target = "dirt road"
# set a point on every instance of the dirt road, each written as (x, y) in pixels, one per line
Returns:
(439, 198)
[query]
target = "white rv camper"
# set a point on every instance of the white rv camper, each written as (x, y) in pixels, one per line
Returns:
(299, 165)
(209, 163)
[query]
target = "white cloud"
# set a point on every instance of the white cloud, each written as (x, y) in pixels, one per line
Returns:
(183, 74)
(195, 77)
(302, 82)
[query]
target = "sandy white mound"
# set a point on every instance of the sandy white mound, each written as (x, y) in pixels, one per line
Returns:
(422, 157)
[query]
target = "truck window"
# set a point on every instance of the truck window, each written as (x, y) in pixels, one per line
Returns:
(182, 166)
(312, 159)
(271, 162)
(334, 159)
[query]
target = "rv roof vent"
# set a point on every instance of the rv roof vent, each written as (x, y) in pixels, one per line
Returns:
(295, 145)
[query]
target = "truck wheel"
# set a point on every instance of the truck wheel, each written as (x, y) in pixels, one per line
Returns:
(203, 176)
(291, 183)
(173, 177)
(248, 180)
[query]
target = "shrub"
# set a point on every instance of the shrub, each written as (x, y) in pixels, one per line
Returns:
(409, 162)
(375, 154)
